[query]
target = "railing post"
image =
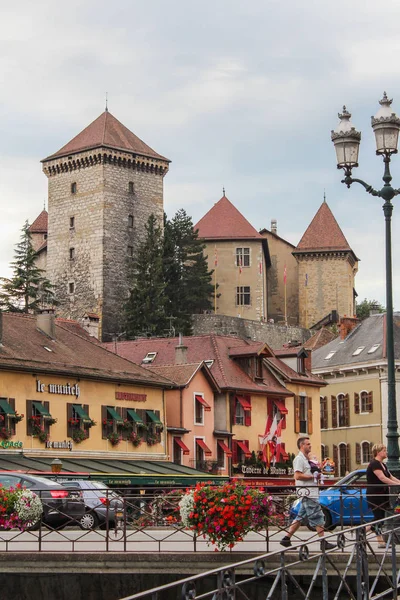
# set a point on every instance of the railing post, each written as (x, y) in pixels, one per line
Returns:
(284, 590)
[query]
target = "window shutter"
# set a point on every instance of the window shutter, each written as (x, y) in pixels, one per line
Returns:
(29, 408)
(247, 414)
(296, 414)
(356, 403)
(103, 427)
(334, 411)
(69, 415)
(347, 410)
(309, 415)
(324, 412)
(233, 408)
(11, 422)
(326, 453)
(86, 409)
(358, 454)
(348, 457)
(234, 452)
(45, 421)
(335, 458)
(370, 401)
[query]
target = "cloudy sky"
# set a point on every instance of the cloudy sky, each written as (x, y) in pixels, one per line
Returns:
(237, 94)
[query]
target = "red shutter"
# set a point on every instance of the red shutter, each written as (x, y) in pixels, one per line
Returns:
(309, 415)
(334, 411)
(296, 414)
(347, 410)
(247, 414)
(358, 453)
(234, 452)
(356, 403)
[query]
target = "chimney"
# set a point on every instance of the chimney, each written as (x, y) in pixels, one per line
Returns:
(374, 310)
(91, 324)
(180, 352)
(346, 325)
(274, 226)
(46, 322)
(307, 361)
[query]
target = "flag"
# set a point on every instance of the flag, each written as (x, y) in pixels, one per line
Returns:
(278, 434)
(284, 275)
(215, 257)
(306, 280)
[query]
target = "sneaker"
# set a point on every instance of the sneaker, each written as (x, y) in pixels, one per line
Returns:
(286, 541)
(327, 546)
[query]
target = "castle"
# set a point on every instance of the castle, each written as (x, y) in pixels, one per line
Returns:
(102, 187)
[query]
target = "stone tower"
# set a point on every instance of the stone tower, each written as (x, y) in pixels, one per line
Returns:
(327, 270)
(102, 187)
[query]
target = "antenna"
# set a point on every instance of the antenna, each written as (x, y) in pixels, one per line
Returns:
(106, 101)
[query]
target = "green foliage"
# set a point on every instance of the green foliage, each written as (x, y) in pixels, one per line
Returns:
(366, 305)
(27, 290)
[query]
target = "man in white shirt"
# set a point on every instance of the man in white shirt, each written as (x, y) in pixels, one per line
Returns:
(307, 489)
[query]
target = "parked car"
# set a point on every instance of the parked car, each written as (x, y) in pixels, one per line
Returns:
(61, 506)
(101, 503)
(344, 503)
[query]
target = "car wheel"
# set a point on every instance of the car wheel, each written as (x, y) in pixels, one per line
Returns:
(89, 520)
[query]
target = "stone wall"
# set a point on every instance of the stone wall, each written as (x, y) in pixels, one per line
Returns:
(274, 335)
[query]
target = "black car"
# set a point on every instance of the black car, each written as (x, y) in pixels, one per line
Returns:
(101, 503)
(61, 506)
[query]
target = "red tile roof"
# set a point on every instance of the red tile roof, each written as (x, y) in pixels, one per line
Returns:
(226, 371)
(323, 234)
(224, 221)
(251, 349)
(291, 376)
(40, 224)
(183, 374)
(320, 338)
(71, 353)
(107, 132)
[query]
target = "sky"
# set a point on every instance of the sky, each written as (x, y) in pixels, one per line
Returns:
(241, 95)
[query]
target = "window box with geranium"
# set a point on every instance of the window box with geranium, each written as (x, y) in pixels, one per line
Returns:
(38, 428)
(17, 418)
(114, 438)
(5, 433)
(135, 438)
(225, 514)
(79, 435)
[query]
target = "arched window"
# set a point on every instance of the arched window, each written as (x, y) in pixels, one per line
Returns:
(344, 459)
(365, 452)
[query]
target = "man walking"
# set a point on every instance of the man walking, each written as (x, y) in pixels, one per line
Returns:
(307, 490)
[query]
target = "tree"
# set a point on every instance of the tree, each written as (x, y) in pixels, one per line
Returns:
(27, 290)
(365, 306)
(188, 280)
(145, 310)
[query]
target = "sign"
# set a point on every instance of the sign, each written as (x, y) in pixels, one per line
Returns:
(10, 444)
(65, 445)
(251, 471)
(130, 396)
(56, 388)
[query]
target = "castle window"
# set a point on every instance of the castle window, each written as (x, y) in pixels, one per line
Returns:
(71, 253)
(131, 187)
(71, 287)
(130, 251)
(73, 187)
(71, 222)
(130, 220)
(242, 257)
(243, 295)
(45, 236)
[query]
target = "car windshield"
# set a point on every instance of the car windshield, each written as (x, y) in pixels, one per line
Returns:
(353, 479)
(43, 481)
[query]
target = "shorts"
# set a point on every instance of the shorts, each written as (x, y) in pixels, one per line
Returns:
(311, 511)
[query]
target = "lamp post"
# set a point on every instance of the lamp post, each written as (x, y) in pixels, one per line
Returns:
(346, 139)
(56, 466)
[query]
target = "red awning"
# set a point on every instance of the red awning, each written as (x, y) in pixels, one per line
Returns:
(281, 407)
(245, 403)
(224, 447)
(182, 445)
(245, 448)
(203, 402)
(204, 447)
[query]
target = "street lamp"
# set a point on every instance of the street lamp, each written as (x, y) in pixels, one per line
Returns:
(56, 466)
(346, 139)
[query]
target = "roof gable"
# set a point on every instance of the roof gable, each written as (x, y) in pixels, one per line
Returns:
(106, 131)
(40, 224)
(224, 221)
(323, 233)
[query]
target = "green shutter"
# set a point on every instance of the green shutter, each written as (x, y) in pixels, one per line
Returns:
(41, 409)
(134, 416)
(81, 413)
(114, 415)
(6, 408)
(153, 417)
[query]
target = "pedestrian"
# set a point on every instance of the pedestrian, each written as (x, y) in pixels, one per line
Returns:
(307, 489)
(379, 479)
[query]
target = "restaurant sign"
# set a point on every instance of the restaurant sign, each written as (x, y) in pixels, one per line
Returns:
(65, 445)
(251, 471)
(130, 396)
(56, 388)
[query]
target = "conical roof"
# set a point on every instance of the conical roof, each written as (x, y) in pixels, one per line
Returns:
(323, 234)
(106, 131)
(40, 224)
(224, 221)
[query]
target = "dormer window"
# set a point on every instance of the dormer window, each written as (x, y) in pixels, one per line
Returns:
(373, 348)
(328, 356)
(209, 363)
(150, 356)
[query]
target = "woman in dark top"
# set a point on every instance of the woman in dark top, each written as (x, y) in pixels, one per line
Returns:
(379, 479)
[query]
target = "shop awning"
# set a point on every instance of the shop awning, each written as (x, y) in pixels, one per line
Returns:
(6, 408)
(134, 416)
(224, 448)
(204, 447)
(281, 407)
(114, 415)
(43, 412)
(245, 448)
(153, 417)
(182, 446)
(81, 413)
(203, 402)
(245, 403)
